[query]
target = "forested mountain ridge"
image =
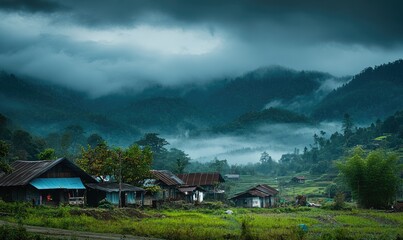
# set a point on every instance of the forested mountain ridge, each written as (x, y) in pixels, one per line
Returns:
(254, 90)
(251, 120)
(374, 93)
(39, 106)
(31, 102)
(42, 107)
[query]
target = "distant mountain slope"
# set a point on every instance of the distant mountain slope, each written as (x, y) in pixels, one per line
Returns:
(251, 120)
(40, 106)
(372, 94)
(252, 91)
(168, 114)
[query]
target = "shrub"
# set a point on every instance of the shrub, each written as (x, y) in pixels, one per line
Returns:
(338, 201)
(17, 233)
(105, 204)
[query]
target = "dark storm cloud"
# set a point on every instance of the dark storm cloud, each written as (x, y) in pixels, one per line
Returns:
(102, 46)
(361, 21)
(30, 5)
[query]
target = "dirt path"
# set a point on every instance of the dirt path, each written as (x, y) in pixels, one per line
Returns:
(67, 234)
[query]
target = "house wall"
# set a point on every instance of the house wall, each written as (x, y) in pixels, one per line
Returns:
(94, 197)
(167, 193)
(249, 202)
(267, 201)
(113, 197)
(19, 194)
(198, 196)
(127, 198)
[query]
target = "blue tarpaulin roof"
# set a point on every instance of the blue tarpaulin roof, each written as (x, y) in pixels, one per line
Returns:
(57, 183)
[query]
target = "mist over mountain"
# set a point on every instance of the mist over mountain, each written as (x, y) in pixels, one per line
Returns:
(249, 122)
(372, 94)
(42, 108)
(268, 109)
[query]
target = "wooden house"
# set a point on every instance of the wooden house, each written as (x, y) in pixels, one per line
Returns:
(298, 179)
(168, 182)
(191, 194)
(210, 182)
(110, 191)
(260, 196)
(172, 188)
(50, 182)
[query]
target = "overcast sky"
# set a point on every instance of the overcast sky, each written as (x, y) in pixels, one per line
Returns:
(102, 46)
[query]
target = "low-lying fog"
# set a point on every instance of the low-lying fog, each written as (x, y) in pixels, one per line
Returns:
(276, 140)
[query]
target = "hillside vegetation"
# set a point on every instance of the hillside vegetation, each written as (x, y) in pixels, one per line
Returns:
(374, 93)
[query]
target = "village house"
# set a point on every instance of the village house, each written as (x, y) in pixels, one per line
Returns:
(260, 196)
(109, 191)
(49, 182)
(168, 182)
(172, 188)
(210, 182)
(298, 179)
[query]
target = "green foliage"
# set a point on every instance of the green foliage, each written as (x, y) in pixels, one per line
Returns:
(204, 223)
(152, 140)
(94, 139)
(8, 232)
(105, 204)
(246, 225)
(136, 164)
(374, 93)
(47, 154)
(372, 178)
(338, 201)
(220, 166)
(248, 121)
(4, 148)
(132, 165)
(96, 161)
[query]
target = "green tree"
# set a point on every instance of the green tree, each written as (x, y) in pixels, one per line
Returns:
(152, 140)
(267, 164)
(161, 158)
(132, 165)
(47, 154)
(136, 164)
(372, 178)
(94, 139)
(347, 125)
(4, 166)
(180, 158)
(23, 145)
(72, 139)
(220, 166)
(96, 161)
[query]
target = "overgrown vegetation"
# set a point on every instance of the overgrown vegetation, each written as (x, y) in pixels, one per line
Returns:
(8, 232)
(373, 178)
(213, 223)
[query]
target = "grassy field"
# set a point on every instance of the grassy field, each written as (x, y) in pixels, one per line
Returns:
(314, 187)
(211, 222)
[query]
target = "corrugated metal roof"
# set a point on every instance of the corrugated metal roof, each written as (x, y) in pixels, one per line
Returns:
(261, 190)
(114, 187)
(167, 177)
(201, 179)
(266, 189)
(57, 183)
(24, 171)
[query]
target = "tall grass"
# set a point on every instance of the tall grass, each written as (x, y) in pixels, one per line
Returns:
(200, 223)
